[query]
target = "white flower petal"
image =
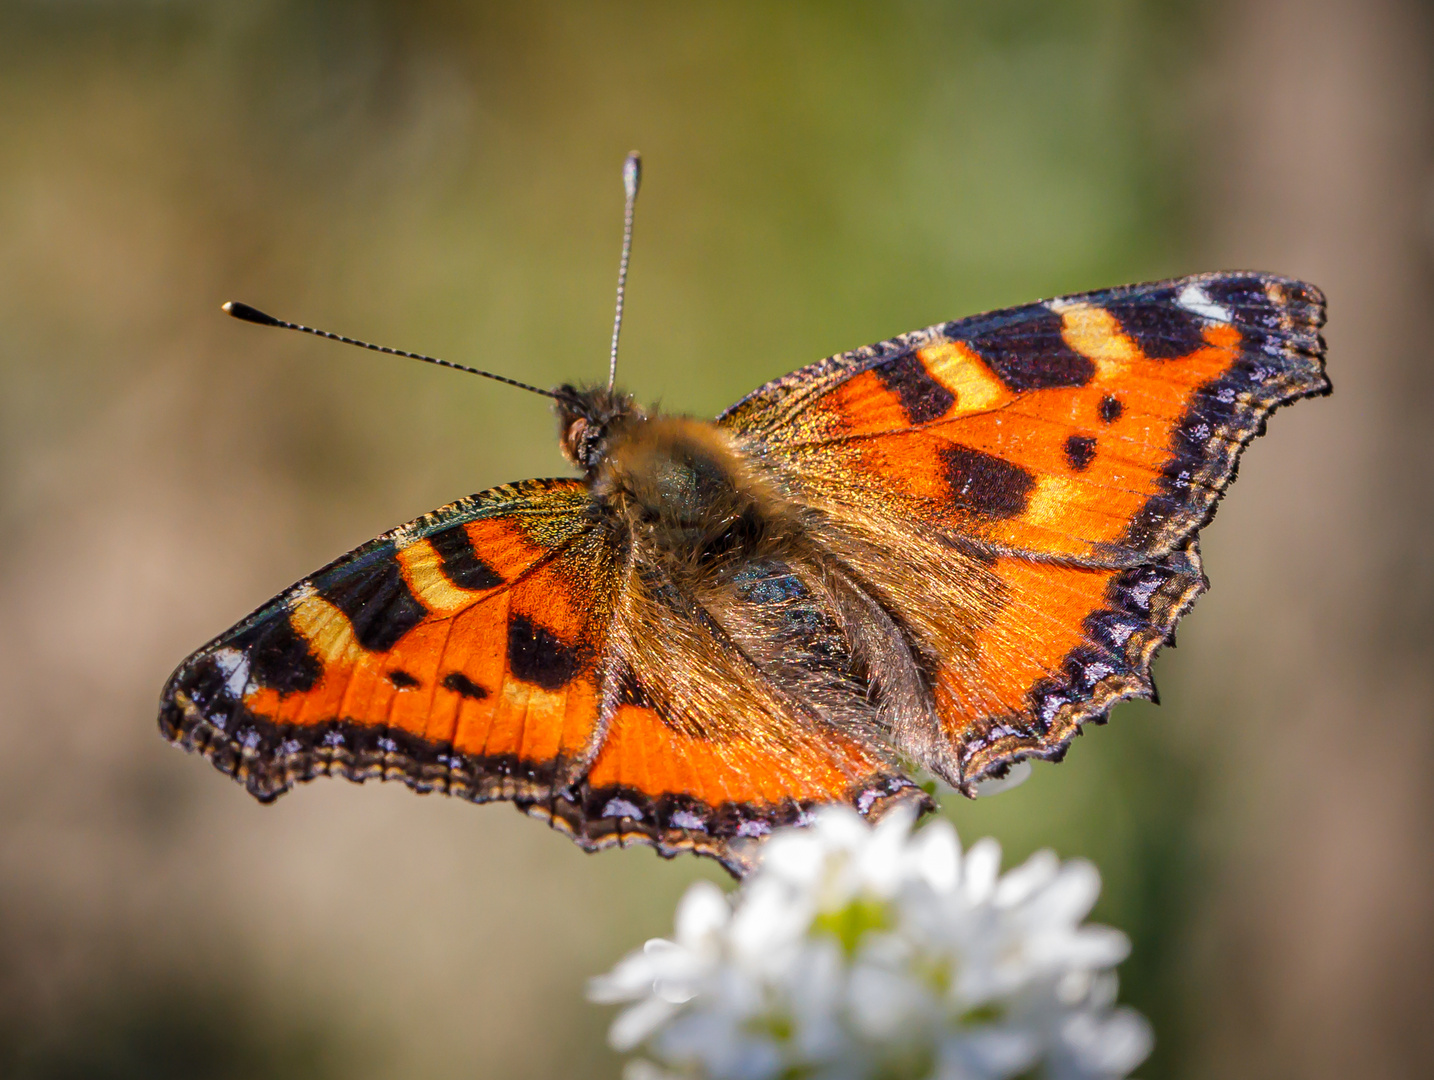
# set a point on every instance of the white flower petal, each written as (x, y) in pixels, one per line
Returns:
(636, 1024)
(841, 826)
(1070, 896)
(1094, 947)
(1018, 774)
(879, 860)
(719, 1048)
(748, 1059)
(632, 978)
(701, 913)
(883, 1003)
(641, 1069)
(676, 991)
(934, 855)
(1109, 1046)
(1103, 991)
(1073, 987)
(979, 870)
(988, 1052)
(796, 857)
(769, 919)
(1036, 873)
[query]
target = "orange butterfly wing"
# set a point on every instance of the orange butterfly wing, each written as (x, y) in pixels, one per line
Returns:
(458, 653)
(1064, 455)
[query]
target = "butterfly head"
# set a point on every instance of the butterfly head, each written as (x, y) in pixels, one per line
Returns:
(587, 419)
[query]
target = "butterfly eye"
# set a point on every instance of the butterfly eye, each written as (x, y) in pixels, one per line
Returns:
(575, 439)
(580, 439)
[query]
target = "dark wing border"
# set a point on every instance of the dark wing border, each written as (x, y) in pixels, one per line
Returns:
(615, 816)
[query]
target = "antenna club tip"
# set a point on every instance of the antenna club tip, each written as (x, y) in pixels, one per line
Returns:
(248, 314)
(632, 173)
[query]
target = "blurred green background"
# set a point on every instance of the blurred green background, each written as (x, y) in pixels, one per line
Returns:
(444, 176)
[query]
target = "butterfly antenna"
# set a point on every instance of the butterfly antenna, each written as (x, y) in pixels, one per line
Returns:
(254, 315)
(631, 178)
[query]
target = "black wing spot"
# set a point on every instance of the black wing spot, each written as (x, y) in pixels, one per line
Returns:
(985, 484)
(1161, 328)
(923, 399)
(375, 598)
(1080, 452)
(463, 686)
(537, 656)
(402, 680)
(460, 562)
(1111, 408)
(1032, 354)
(279, 657)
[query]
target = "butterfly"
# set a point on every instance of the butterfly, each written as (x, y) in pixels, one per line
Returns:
(947, 551)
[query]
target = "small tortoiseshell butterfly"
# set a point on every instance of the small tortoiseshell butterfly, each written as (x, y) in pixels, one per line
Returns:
(947, 550)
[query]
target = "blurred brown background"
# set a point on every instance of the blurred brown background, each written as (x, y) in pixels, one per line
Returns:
(443, 176)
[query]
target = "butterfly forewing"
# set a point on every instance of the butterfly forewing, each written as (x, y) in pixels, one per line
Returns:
(458, 652)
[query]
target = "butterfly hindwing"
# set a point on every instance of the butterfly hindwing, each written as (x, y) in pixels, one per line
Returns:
(736, 713)
(659, 783)
(1064, 455)
(1068, 644)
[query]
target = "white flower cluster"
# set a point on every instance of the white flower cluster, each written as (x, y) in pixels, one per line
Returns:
(856, 953)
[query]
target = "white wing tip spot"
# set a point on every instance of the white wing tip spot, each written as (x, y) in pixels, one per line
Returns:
(235, 666)
(1194, 298)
